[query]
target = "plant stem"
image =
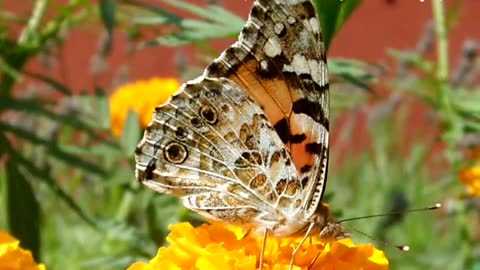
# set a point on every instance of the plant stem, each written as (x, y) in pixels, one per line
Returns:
(452, 128)
(442, 39)
(31, 31)
(125, 206)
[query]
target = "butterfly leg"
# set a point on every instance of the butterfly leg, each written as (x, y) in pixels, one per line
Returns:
(307, 234)
(262, 252)
(313, 261)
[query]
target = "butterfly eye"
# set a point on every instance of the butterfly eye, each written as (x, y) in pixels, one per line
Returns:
(208, 114)
(175, 153)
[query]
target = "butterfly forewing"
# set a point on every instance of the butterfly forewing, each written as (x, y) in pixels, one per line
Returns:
(280, 60)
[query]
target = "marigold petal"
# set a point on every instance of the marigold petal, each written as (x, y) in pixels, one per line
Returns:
(13, 257)
(140, 97)
(140, 266)
(219, 247)
(470, 177)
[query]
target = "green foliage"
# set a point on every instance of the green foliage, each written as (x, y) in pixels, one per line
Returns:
(68, 187)
(22, 208)
(333, 14)
(213, 24)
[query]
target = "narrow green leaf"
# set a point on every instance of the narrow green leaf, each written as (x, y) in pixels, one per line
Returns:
(131, 134)
(416, 158)
(348, 6)
(102, 101)
(213, 13)
(143, 20)
(218, 23)
(36, 107)
(355, 72)
(23, 209)
(170, 18)
(9, 70)
(328, 12)
(53, 149)
(44, 176)
(51, 82)
(333, 15)
(107, 13)
(414, 60)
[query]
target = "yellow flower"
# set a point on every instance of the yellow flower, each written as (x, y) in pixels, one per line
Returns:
(140, 97)
(216, 247)
(471, 178)
(13, 257)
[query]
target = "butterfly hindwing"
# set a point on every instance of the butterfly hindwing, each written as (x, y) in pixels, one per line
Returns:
(212, 145)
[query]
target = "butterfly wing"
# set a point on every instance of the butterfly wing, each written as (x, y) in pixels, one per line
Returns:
(247, 142)
(212, 145)
(280, 61)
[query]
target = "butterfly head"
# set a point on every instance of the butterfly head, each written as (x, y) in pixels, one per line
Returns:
(331, 229)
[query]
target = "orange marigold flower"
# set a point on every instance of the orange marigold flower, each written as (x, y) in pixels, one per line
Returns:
(141, 97)
(13, 257)
(216, 247)
(471, 178)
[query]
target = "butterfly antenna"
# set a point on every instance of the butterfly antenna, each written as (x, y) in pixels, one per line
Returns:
(399, 247)
(434, 207)
(404, 248)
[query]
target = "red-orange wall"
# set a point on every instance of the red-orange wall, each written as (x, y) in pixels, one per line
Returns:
(374, 27)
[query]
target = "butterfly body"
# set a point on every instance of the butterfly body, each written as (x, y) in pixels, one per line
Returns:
(247, 142)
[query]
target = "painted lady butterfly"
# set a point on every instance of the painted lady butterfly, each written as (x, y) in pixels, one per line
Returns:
(247, 142)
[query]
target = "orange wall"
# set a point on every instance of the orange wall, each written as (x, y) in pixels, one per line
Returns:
(374, 27)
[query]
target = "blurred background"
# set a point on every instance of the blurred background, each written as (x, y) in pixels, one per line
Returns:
(79, 80)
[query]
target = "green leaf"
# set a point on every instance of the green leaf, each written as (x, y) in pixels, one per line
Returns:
(212, 13)
(355, 72)
(103, 106)
(53, 149)
(412, 60)
(169, 18)
(36, 107)
(217, 23)
(333, 15)
(130, 134)
(9, 70)
(44, 176)
(23, 209)
(348, 6)
(51, 82)
(143, 20)
(107, 13)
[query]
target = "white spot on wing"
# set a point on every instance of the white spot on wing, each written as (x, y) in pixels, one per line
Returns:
(288, 68)
(278, 28)
(300, 64)
(314, 24)
(272, 47)
(316, 68)
(291, 20)
(264, 65)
